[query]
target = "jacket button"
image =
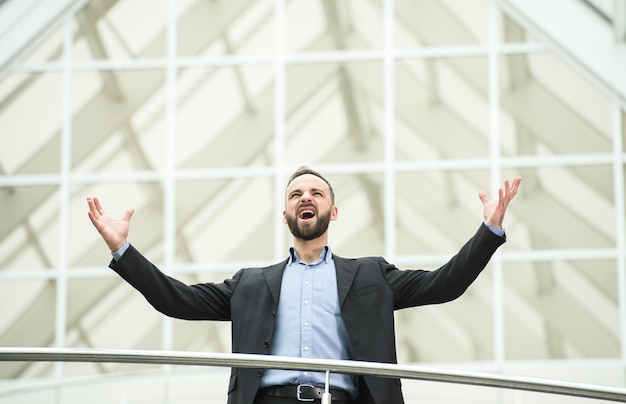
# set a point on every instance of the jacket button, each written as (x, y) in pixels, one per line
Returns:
(266, 344)
(273, 315)
(259, 373)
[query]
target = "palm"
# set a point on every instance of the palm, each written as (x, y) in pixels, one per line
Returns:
(493, 211)
(113, 231)
(489, 209)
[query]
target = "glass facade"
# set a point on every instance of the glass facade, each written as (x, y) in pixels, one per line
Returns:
(196, 112)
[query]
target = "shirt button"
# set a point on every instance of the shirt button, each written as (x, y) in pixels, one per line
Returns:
(306, 323)
(306, 348)
(306, 302)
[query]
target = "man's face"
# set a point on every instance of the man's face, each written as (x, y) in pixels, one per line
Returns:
(308, 207)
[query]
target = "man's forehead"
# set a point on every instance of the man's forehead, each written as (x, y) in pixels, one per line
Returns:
(307, 181)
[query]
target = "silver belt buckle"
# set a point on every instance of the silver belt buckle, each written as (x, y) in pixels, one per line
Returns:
(299, 392)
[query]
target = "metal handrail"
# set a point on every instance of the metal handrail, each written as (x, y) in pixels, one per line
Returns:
(336, 366)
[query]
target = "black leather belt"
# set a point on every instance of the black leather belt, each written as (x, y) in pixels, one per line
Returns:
(303, 392)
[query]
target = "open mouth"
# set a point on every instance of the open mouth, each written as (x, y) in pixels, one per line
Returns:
(306, 213)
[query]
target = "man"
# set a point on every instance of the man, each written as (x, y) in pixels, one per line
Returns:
(314, 304)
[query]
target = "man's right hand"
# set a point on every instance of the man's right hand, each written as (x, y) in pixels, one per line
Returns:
(113, 231)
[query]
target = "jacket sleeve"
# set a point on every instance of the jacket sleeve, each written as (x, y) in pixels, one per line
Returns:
(205, 301)
(419, 287)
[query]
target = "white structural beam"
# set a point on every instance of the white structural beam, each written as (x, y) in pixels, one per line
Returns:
(24, 23)
(582, 37)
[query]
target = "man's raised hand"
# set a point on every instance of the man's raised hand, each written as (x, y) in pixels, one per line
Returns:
(493, 211)
(113, 231)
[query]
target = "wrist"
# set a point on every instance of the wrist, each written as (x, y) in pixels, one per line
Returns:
(493, 222)
(117, 254)
(115, 246)
(499, 231)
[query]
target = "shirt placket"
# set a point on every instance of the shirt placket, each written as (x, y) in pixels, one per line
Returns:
(306, 334)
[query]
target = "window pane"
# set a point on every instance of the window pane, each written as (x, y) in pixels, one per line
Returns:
(438, 211)
(94, 312)
(50, 49)
(318, 26)
(441, 109)
(209, 210)
(119, 121)
(29, 229)
(30, 322)
(27, 145)
(126, 29)
(334, 113)
(561, 309)
(510, 31)
(562, 208)
(548, 109)
(217, 28)
(222, 110)
(359, 228)
(440, 23)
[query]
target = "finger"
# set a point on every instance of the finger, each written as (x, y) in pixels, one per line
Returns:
(512, 190)
(483, 197)
(98, 206)
(507, 190)
(128, 214)
(92, 218)
(92, 207)
(95, 220)
(516, 182)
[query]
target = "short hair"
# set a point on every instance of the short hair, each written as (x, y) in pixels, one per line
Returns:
(302, 170)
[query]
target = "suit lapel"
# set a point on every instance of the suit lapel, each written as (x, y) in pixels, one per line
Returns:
(274, 275)
(346, 271)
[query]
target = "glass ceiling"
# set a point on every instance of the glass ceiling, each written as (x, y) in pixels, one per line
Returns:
(195, 112)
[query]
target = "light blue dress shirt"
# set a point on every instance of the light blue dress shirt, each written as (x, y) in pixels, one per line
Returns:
(309, 323)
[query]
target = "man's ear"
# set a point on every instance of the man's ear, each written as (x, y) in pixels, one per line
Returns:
(284, 216)
(334, 212)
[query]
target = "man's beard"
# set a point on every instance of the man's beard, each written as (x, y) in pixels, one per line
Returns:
(309, 231)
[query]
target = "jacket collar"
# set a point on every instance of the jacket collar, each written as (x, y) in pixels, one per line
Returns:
(346, 270)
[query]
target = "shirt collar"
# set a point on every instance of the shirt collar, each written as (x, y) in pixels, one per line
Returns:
(325, 256)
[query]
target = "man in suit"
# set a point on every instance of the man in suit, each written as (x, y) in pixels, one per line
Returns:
(314, 304)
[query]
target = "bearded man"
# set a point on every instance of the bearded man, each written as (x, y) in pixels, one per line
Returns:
(313, 304)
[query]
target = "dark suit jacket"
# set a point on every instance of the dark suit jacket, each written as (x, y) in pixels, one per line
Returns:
(369, 289)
